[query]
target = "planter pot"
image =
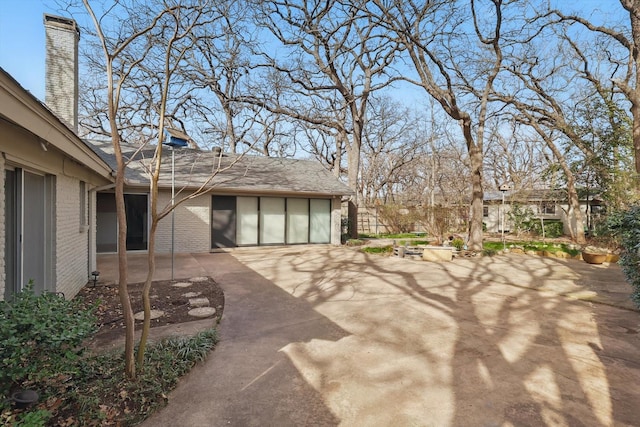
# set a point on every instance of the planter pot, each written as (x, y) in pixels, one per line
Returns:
(24, 398)
(613, 258)
(437, 253)
(592, 258)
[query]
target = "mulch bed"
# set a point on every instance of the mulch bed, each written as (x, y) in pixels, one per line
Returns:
(164, 296)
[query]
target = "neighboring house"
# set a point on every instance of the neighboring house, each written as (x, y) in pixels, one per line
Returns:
(546, 204)
(258, 201)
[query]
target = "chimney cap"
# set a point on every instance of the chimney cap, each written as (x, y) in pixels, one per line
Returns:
(61, 22)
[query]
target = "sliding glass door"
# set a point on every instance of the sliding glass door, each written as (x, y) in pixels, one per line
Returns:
(137, 213)
(29, 230)
(254, 221)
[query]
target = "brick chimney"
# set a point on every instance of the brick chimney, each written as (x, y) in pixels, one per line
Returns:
(61, 69)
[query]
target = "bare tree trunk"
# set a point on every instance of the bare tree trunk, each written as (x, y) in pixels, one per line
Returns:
(352, 182)
(123, 291)
(576, 224)
(146, 302)
(475, 226)
(338, 160)
(230, 133)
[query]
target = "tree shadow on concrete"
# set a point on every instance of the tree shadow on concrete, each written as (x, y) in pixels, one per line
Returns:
(473, 342)
(247, 380)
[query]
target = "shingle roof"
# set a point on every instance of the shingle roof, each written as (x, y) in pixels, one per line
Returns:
(245, 174)
(531, 195)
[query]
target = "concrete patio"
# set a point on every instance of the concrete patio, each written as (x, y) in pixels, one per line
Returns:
(331, 336)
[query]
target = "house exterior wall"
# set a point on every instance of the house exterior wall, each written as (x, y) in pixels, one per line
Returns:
(69, 244)
(72, 239)
(3, 277)
(192, 225)
(336, 221)
(493, 220)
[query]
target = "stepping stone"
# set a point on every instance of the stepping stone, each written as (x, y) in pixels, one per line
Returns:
(182, 284)
(153, 314)
(199, 302)
(192, 294)
(202, 312)
(199, 279)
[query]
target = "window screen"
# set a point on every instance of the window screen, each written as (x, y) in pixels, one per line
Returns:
(272, 220)
(320, 221)
(247, 221)
(297, 220)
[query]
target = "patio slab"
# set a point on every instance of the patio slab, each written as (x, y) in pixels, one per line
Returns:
(332, 336)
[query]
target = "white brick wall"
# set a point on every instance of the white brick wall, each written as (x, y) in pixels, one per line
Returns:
(61, 76)
(192, 225)
(336, 218)
(71, 242)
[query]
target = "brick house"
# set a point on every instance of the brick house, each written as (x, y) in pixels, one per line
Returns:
(56, 190)
(48, 182)
(258, 201)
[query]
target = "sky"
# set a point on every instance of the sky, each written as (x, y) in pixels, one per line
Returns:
(22, 41)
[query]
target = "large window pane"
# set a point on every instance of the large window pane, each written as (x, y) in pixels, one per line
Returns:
(223, 221)
(272, 220)
(297, 220)
(136, 210)
(320, 221)
(247, 221)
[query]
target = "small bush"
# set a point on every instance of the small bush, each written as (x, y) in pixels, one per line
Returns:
(40, 336)
(626, 225)
(457, 243)
(521, 218)
(552, 229)
(100, 394)
(398, 218)
(378, 249)
(489, 252)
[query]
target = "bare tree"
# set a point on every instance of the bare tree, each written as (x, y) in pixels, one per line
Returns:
(339, 55)
(390, 143)
(219, 65)
(516, 157)
(143, 46)
(624, 70)
(457, 64)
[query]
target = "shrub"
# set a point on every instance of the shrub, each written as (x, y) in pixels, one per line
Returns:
(378, 249)
(100, 394)
(626, 225)
(520, 217)
(457, 243)
(489, 252)
(355, 242)
(552, 229)
(397, 218)
(40, 336)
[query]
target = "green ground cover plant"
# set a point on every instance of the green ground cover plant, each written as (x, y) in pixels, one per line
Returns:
(533, 246)
(40, 336)
(378, 249)
(413, 242)
(388, 235)
(78, 388)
